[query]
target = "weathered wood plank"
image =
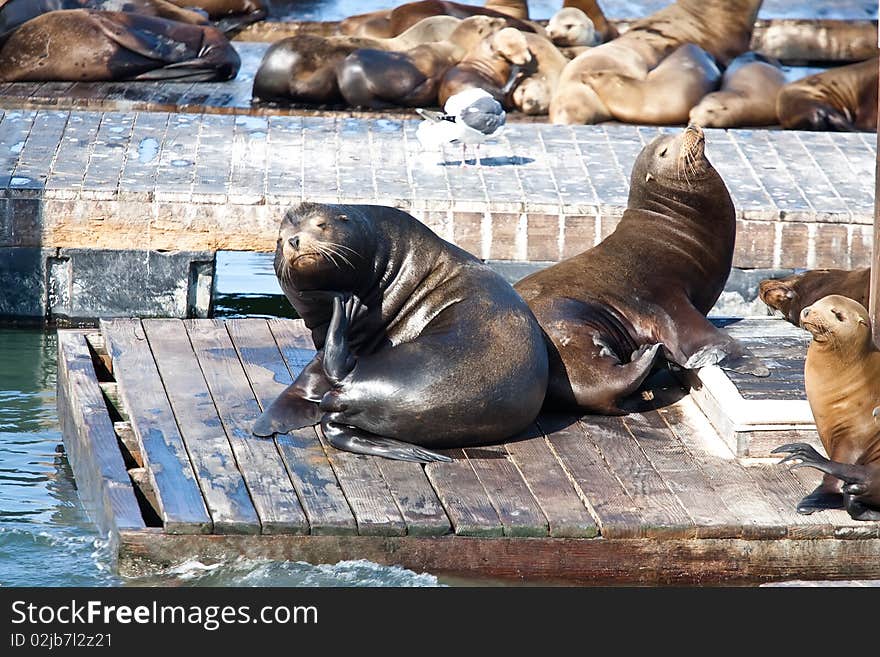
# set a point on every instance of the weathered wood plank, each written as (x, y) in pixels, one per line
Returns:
(181, 505)
(544, 475)
(90, 442)
(520, 514)
(844, 525)
(222, 484)
(464, 497)
(125, 435)
(683, 476)
(785, 492)
(728, 478)
(311, 473)
(271, 490)
(417, 501)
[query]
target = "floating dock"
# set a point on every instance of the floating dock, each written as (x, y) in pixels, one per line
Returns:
(156, 417)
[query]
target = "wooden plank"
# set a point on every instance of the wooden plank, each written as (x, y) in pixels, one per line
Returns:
(844, 525)
(271, 490)
(266, 359)
(520, 514)
(90, 441)
(683, 476)
(728, 478)
(659, 507)
(125, 435)
(464, 497)
(784, 491)
(220, 481)
(544, 475)
(416, 499)
(182, 508)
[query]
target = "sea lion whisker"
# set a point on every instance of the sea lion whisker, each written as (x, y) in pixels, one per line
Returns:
(330, 249)
(341, 246)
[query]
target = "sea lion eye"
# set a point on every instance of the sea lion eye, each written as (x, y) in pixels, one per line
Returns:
(321, 224)
(838, 315)
(663, 152)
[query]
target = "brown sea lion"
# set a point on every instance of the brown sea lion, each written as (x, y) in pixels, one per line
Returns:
(418, 340)
(591, 8)
(570, 27)
(390, 23)
(14, 13)
(92, 46)
(747, 96)
(302, 68)
(378, 78)
(668, 93)
(533, 93)
(841, 99)
(842, 380)
(493, 65)
(723, 28)
(228, 15)
(790, 295)
(644, 290)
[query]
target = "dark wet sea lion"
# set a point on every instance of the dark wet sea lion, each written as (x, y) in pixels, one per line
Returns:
(609, 311)
(493, 65)
(790, 295)
(390, 23)
(378, 78)
(841, 99)
(86, 45)
(842, 379)
(668, 93)
(15, 13)
(747, 96)
(228, 15)
(723, 28)
(420, 344)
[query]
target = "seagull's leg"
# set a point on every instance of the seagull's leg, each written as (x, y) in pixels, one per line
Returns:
(477, 160)
(463, 155)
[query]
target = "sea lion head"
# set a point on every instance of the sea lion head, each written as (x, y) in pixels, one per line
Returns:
(711, 112)
(572, 27)
(322, 248)
(780, 294)
(473, 29)
(676, 159)
(511, 45)
(838, 322)
(532, 96)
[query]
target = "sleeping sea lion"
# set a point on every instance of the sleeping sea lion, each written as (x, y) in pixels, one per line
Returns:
(790, 295)
(420, 345)
(570, 27)
(533, 92)
(842, 379)
(609, 312)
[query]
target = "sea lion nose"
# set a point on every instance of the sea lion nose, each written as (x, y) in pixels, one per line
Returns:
(293, 241)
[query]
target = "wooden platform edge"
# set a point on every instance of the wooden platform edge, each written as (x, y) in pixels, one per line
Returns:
(102, 481)
(572, 561)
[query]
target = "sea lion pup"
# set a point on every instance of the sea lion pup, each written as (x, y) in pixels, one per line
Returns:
(302, 68)
(93, 46)
(723, 28)
(668, 93)
(493, 65)
(391, 22)
(533, 93)
(605, 30)
(417, 340)
(609, 311)
(747, 96)
(571, 27)
(790, 295)
(842, 379)
(378, 79)
(840, 99)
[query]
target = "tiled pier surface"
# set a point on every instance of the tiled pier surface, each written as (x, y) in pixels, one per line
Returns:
(156, 181)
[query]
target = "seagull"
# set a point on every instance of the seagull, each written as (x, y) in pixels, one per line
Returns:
(469, 117)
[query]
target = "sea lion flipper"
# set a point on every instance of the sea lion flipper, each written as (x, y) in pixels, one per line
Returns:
(338, 360)
(352, 439)
(297, 406)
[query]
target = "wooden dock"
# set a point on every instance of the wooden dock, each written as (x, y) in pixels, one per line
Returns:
(156, 417)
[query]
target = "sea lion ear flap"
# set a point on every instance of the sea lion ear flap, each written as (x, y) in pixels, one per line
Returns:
(864, 321)
(648, 177)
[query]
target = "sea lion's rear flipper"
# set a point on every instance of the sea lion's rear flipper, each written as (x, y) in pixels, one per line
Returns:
(352, 439)
(235, 23)
(297, 406)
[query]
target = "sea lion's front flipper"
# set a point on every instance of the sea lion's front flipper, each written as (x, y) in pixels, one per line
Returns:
(338, 359)
(352, 439)
(297, 406)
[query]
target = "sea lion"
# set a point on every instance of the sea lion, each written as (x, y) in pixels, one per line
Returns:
(571, 27)
(228, 15)
(15, 13)
(418, 341)
(839, 99)
(605, 30)
(747, 96)
(378, 78)
(302, 68)
(644, 290)
(493, 65)
(533, 93)
(723, 28)
(842, 380)
(91, 46)
(668, 93)
(790, 295)
(391, 22)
